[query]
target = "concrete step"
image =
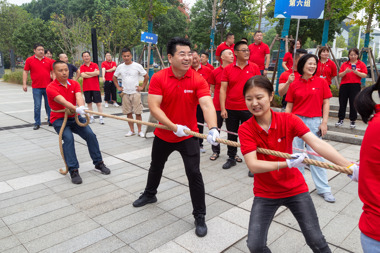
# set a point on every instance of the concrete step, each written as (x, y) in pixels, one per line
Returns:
(334, 113)
(359, 130)
(343, 137)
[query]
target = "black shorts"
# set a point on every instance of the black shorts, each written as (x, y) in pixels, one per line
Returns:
(92, 96)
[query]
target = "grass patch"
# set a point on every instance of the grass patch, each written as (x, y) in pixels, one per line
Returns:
(15, 77)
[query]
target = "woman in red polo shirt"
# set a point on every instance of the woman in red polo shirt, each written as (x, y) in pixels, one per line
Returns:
(369, 180)
(287, 62)
(308, 98)
(277, 181)
(326, 68)
(351, 72)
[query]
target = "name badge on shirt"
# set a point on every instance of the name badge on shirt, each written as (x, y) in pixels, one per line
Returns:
(322, 76)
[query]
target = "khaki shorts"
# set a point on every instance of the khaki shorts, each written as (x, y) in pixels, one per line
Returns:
(131, 103)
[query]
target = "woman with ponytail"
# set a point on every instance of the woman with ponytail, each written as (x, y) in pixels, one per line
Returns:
(369, 174)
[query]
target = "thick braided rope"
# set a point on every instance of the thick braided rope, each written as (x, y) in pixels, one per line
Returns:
(67, 113)
(232, 143)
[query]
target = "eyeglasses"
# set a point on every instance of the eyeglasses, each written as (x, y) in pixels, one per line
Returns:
(244, 50)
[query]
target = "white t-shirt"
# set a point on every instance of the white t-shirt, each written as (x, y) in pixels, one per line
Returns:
(130, 76)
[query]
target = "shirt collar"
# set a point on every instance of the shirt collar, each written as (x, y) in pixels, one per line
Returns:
(187, 74)
(43, 57)
(57, 82)
(308, 80)
(273, 124)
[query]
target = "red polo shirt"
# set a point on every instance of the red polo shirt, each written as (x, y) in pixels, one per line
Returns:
(258, 53)
(285, 182)
(108, 65)
(351, 77)
(179, 99)
(285, 76)
(54, 89)
(91, 83)
(208, 65)
(236, 78)
(203, 71)
(215, 79)
(288, 58)
(326, 70)
(369, 179)
(222, 47)
(39, 71)
(307, 96)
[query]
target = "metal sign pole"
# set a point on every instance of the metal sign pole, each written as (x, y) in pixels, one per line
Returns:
(295, 45)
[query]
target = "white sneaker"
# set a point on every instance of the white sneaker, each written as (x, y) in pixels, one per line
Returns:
(106, 105)
(142, 135)
(116, 104)
(101, 121)
(130, 133)
(92, 120)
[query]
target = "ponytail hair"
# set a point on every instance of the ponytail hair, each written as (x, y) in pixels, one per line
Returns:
(364, 103)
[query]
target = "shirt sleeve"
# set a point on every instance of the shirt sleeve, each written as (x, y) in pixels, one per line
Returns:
(141, 70)
(343, 67)
(225, 74)
(211, 79)
(283, 78)
(203, 88)
(218, 51)
(257, 70)
(81, 69)
(75, 69)
(267, 51)
(51, 91)
(297, 125)
(155, 86)
(77, 87)
(96, 66)
(117, 71)
(326, 89)
(27, 64)
(247, 140)
(363, 68)
(286, 57)
(289, 93)
(333, 69)
(103, 66)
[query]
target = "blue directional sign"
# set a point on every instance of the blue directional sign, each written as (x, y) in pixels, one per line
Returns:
(149, 37)
(299, 9)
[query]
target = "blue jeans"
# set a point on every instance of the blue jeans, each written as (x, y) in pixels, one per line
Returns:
(369, 245)
(301, 206)
(318, 174)
(68, 141)
(37, 97)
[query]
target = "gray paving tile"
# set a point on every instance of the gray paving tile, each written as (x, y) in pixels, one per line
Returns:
(107, 245)
(17, 249)
(8, 243)
(170, 247)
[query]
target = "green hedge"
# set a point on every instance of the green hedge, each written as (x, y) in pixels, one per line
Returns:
(16, 77)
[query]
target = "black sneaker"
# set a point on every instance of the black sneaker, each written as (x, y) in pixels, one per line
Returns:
(339, 123)
(250, 174)
(36, 127)
(352, 125)
(143, 200)
(75, 177)
(102, 167)
(229, 164)
(200, 226)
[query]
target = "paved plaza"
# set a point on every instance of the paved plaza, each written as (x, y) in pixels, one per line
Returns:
(42, 211)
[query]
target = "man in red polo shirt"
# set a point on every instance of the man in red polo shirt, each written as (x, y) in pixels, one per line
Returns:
(289, 76)
(40, 69)
(232, 103)
(64, 93)
(173, 96)
(204, 60)
(214, 80)
(89, 71)
(228, 44)
(108, 69)
(259, 53)
(205, 72)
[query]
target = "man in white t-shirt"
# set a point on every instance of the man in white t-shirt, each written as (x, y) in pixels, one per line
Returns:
(129, 72)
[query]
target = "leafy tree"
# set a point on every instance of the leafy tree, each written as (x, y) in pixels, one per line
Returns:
(269, 36)
(341, 42)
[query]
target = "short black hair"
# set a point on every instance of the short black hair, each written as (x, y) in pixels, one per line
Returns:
(58, 62)
(244, 38)
(37, 45)
(171, 47)
(302, 61)
(86, 52)
(300, 51)
(229, 34)
(238, 44)
(48, 50)
(126, 50)
(258, 81)
(258, 31)
(364, 103)
(207, 55)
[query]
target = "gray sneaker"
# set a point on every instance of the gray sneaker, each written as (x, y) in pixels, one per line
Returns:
(339, 123)
(327, 196)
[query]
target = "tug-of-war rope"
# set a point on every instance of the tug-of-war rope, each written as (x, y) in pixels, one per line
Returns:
(195, 134)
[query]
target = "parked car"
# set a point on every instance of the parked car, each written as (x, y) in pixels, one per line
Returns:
(374, 70)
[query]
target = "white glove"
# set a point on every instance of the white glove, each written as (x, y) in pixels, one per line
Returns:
(212, 135)
(355, 172)
(296, 160)
(180, 132)
(80, 110)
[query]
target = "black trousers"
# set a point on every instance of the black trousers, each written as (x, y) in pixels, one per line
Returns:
(216, 149)
(348, 91)
(109, 91)
(234, 120)
(189, 150)
(200, 119)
